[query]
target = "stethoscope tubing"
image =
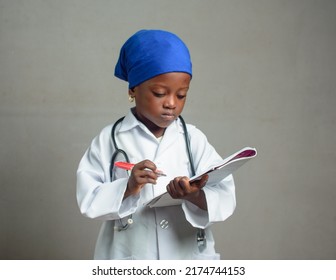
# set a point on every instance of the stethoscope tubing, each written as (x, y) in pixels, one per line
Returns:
(118, 150)
(201, 238)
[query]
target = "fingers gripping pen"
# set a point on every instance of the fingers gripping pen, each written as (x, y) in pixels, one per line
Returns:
(129, 166)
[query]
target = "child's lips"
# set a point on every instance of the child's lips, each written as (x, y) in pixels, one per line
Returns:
(168, 116)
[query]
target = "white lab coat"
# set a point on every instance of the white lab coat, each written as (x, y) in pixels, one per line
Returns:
(156, 233)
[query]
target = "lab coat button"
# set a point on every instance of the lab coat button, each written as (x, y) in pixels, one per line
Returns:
(164, 224)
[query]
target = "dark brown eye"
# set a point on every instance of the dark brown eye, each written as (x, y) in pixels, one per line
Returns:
(158, 94)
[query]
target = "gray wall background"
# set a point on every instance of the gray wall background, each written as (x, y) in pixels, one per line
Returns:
(264, 76)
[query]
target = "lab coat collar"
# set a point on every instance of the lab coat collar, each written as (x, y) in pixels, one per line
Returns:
(129, 122)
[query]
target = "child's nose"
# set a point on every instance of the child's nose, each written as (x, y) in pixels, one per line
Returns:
(170, 102)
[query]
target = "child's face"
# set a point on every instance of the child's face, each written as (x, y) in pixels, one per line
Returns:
(160, 100)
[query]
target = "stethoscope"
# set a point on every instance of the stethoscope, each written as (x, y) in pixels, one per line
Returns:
(201, 239)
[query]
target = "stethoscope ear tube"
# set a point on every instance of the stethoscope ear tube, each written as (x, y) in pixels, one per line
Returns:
(117, 150)
(186, 138)
(200, 237)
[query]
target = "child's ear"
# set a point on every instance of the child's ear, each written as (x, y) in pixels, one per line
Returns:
(131, 96)
(131, 91)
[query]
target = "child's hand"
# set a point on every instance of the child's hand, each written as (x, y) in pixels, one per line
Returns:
(181, 188)
(142, 173)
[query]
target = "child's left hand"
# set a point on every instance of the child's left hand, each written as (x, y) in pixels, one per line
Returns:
(180, 188)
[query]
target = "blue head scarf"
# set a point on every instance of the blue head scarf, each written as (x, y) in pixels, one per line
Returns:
(149, 53)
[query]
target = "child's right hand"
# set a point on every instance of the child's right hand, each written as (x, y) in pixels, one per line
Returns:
(142, 173)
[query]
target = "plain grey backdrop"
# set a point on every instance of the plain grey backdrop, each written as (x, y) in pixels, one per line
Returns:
(264, 76)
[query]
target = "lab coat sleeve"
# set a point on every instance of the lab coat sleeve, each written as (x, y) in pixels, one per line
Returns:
(97, 197)
(220, 198)
(221, 203)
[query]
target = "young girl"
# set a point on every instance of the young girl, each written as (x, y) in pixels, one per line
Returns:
(157, 66)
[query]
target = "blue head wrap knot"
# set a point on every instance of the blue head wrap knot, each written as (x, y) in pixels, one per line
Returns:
(149, 53)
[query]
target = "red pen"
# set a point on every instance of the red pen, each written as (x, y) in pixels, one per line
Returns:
(129, 166)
